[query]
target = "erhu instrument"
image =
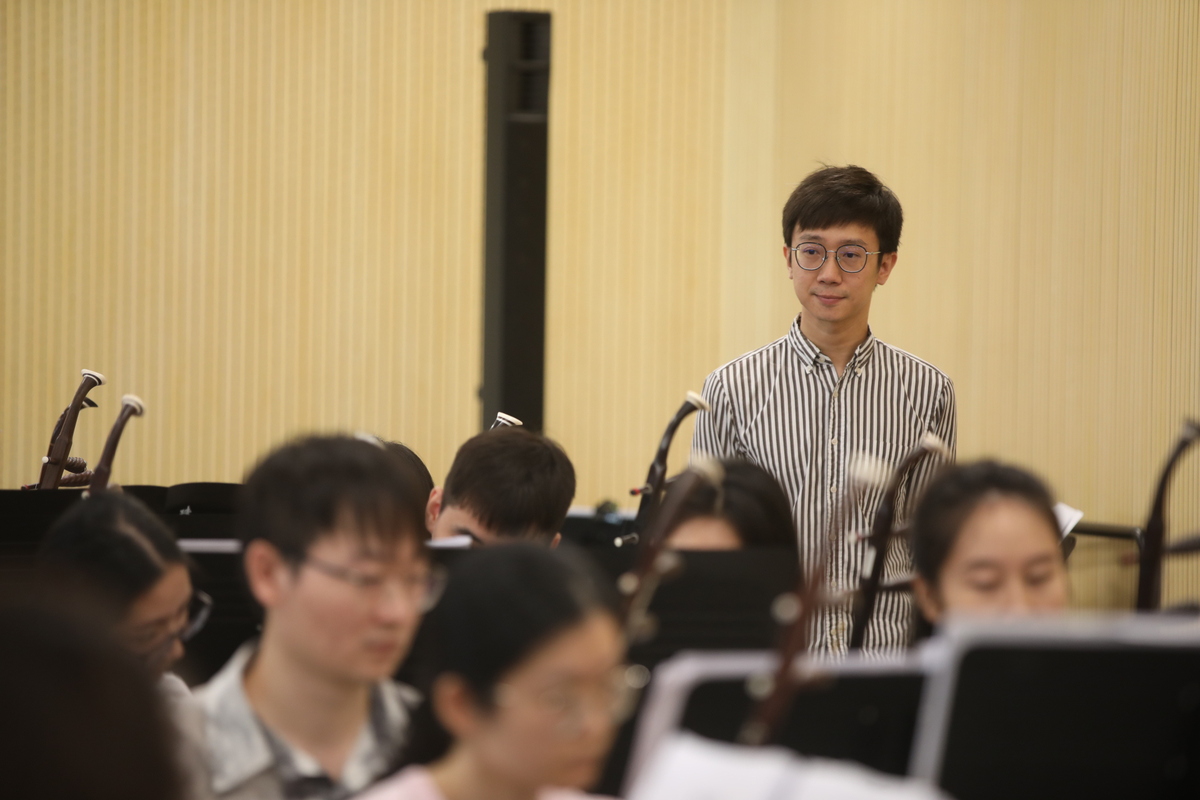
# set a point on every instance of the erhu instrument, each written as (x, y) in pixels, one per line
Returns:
(131, 406)
(1149, 590)
(797, 611)
(882, 531)
(506, 421)
(651, 491)
(58, 454)
(654, 561)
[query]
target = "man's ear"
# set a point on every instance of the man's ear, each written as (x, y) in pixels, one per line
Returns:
(454, 705)
(927, 600)
(433, 508)
(787, 260)
(887, 262)
(267, 572)
(554, 542)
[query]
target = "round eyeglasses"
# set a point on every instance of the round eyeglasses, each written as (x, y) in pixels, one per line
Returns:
(422, 587)
(810, 256)
(195, 616)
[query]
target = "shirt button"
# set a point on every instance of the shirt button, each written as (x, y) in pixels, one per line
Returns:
(808, 370)
(833, 441)
(835, 394)
(858, 371)
(832, 488)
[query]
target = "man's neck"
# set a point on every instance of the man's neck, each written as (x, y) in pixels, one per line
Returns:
(321, 717)
(461, 776)
(836, 340)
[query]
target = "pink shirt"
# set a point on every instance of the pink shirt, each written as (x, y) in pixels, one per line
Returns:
(415, 783)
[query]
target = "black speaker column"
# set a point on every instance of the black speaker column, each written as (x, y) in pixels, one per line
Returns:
(514, 304)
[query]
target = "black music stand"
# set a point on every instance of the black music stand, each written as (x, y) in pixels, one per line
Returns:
(1091, 707)
(863, 709)
(719, 601)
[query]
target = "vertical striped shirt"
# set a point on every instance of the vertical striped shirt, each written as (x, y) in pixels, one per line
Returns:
(785, 408)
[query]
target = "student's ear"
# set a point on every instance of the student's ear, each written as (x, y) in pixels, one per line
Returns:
(266, 572)
(433, 507)
(927, 600)
(887, 262)
(787, 260)
(454, 705)
(554, 542)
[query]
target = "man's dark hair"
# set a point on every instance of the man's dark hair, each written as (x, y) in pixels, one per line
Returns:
(952, 497)
(834, 196)
(113, 542)
(304, 489)
(514, 482)
(422, 479)
(751, 501)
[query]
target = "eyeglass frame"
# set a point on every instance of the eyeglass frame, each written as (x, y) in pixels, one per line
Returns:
(836, 257)
(569, 720)
(195, 623)
(435, 581)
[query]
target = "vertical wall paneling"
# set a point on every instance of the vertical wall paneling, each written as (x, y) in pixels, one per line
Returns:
(265, 218)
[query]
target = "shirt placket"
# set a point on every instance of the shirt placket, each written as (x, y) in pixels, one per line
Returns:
(835, 460)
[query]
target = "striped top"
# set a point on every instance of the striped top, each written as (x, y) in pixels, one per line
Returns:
(784, 408)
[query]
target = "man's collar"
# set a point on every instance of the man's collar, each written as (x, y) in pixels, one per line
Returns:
(240, 747)
(810, 354)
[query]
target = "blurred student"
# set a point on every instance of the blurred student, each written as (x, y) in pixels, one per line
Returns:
(333, 551)
(506, 483)
(528, 688)
(119, 548)
(747, 509)
(80, 717)
(985, 540)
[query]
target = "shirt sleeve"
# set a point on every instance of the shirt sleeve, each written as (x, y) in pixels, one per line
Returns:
(715, 435)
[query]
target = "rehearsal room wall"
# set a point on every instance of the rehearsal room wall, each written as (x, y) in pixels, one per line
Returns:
(1048, 158)
(266, 218)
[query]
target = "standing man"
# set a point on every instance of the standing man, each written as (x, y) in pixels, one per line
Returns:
(805, 405)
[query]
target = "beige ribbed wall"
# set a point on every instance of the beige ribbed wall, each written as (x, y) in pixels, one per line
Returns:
(265, 217)
(1048, 158)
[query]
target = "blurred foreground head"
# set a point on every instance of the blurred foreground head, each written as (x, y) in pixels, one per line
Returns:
(117, 546)
(334, 552)
(985, 541)
(527, 684)
(80, 719)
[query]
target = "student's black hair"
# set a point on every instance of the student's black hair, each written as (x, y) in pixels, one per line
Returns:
(500, 606)
(751, 501)
(422, 479)
(833, 196)
(81, 718)
(304, 489)
(114, 542)
(951, 498)
(517, 483)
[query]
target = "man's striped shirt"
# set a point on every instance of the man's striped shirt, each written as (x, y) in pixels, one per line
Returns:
(785, 408)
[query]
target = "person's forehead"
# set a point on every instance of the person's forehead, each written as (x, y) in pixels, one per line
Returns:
(353, 542)
(1004, 530)
(849, 233)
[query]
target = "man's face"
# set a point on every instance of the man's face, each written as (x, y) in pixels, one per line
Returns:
(445, 522)
(829, 296)
(349, 611)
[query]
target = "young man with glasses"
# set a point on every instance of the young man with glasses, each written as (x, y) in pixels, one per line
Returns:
(807, 405)
(334, 553)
